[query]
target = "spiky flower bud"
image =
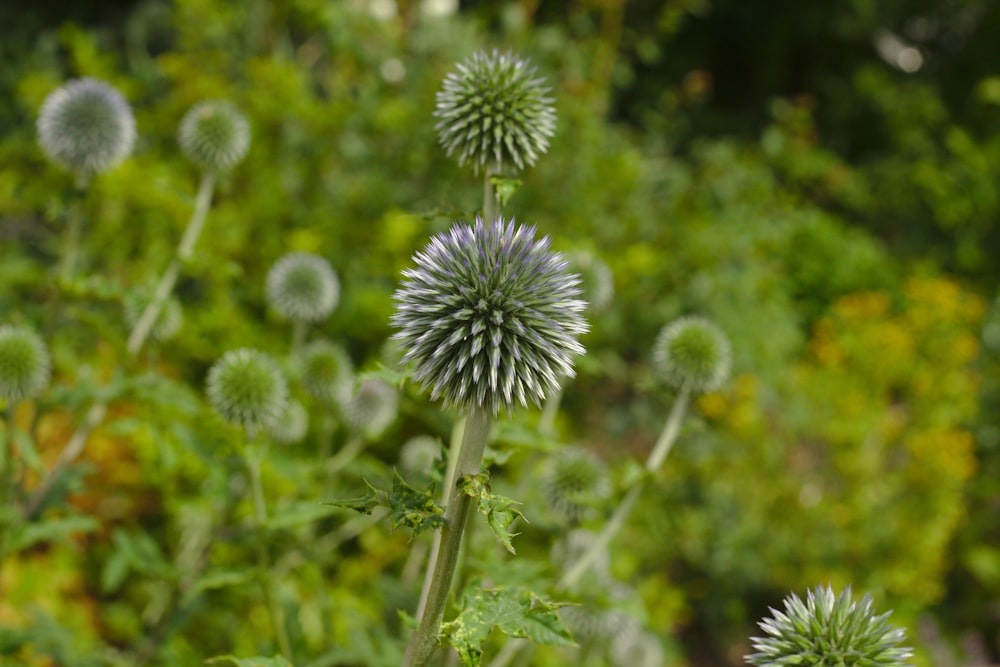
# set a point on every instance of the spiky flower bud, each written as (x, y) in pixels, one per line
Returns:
(829, 630)
(495, 113)
(575, 484)
(327, 372)
(168, 321)
(24, 363)
(302, 287)
(692, 352)
(214, 134)
(488, 316)
(596, 279)
(372, 407)
(247, 389)
(291, 426)
(418, 455)
(86, 126)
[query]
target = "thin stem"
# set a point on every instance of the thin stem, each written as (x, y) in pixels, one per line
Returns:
(74, 230)
(298, 336)
(490, 206)
(143, 327)
(424, 642)
(6, 480)
(263, 559)
(547, 422)
(454, 449)
(663, 445)
(347, 453)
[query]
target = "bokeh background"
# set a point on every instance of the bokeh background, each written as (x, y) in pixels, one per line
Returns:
(820, 178)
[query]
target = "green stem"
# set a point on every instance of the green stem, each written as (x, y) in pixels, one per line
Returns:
(490, 207)
(263, 559)
(663, 445)
(347, 453)
(298, 336)
(143, 327)
(424, 642)
(74, 230)
(6, 480)
(547, 422)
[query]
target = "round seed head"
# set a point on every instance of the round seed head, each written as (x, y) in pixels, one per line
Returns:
(86, 126)
(494, 112)
(168, 322)
(418, 455)
(692, 352)
(575, 484)
(214, 134)
(247, 389)
(596, 279)
(489, 315)
(24, 363)
(291, 426)
(373, 407)
(302, 287)
(635, 647)
(327, 373)
(828, 630)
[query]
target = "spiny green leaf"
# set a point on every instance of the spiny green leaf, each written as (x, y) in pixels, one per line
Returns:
(505, 188)
(516, 611)
(499, 510)
(408, 507)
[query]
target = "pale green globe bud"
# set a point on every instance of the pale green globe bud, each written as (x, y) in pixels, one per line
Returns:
(291, 426)
(692, 353)
(215, 135)
(575, 484)
(327, 372)
(247, 389)
(372, 407)
(24, 363)
(303, 287)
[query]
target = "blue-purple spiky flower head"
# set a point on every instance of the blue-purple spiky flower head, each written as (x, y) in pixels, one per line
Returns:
(489, 316)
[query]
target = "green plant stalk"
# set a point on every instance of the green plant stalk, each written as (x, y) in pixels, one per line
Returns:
(74, 230)
(656, 458)
(6, 480)
(137, 338)
(143, 327)
(547, 422)
(490, 208)
(299, 328)
(343, 458)
(424, 641)
(263, 559)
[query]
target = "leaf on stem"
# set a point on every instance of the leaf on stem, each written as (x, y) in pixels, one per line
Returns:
(516, 611)
(499, 510)
(408, 507)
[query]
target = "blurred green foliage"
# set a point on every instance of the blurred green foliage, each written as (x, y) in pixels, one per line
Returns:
(834, 214)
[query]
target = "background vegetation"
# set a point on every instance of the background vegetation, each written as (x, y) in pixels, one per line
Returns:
(819, 178)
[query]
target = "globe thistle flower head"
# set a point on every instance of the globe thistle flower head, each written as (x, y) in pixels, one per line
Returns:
(86, 126)
(692, 352)
(372, 407)
(291, 426)
(167, 323)
(24, 363)
(247, 389)
(214, 134)
(303, 287)
(494, 112)
(597, 280)
(489, 316)
(327, 372)
(418, 456)
(828, 630)
(575, 484)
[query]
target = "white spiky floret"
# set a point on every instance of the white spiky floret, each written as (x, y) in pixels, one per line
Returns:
(494, 112)
(86, 126)
(489, 316)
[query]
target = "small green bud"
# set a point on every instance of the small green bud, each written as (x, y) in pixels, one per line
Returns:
(692, 352)
(302, 287)
(24, 363)
(372, 408)
(596, 279)
(215, 135)
(575, 484)
(86, 126)
(247, 389)
(417, 457)
(291, 426)
(327, 372)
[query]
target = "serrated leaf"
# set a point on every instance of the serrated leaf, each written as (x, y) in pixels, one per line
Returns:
(499, 510)
(516, 611)
(256, 661)
(408, 506)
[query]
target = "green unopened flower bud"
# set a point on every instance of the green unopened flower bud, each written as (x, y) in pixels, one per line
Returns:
(372, 407)
(247, 389)
(596, 279)
(692, 352)
(215, 135)
(291, 426)
(489, 316)
(327, 372)
(86, 126)
(417, 457)
(302, 287)
(575, 484)
(24, 363)
(167, 323)
(828, 630)
(495, 113)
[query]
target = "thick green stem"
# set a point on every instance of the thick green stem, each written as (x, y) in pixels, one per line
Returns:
(263, 558)
(298, 336)
(424, 642)
(143, 327)
(490, 207)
